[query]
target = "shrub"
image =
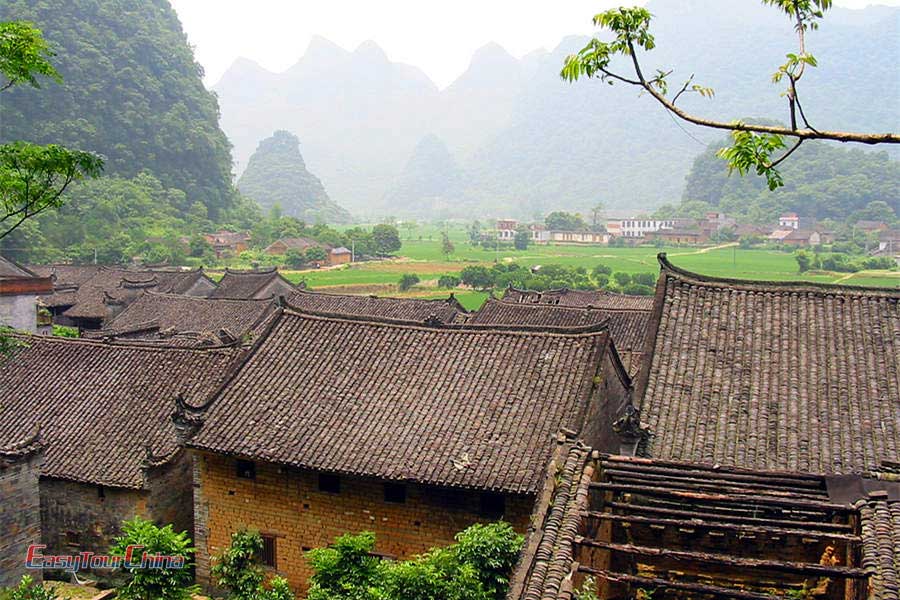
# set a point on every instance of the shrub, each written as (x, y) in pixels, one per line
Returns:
(407, 281)
(602, 270)
(636, 289)
(622, 279)
(29, 590)
(477, 277)
(644, 279)
(448, 281)
(155, 584)
(238, 570)
(294, 258)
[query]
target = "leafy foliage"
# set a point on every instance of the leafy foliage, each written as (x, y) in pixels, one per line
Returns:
(131, 92)
(407, 281)
(821, 181)
(563, 221)
(385, 239)
(155, 584)
(549, 277)
(277, 175)
(33, 179)
(29, 590)
(238, 570)
(476, 567)
(24, 55)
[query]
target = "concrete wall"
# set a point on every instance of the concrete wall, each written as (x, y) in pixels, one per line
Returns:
(286, 503)
(20, 517)
(19, 312)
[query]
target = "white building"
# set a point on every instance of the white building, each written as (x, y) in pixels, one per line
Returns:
(19, 292)
(637, 227)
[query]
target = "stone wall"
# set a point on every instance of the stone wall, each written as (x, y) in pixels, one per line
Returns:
(19, 312)
(83, 517)
(170, 494)
(287, 504)
(20, 516)
(607, 404)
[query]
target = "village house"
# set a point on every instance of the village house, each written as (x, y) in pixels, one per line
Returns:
(507, 229)
(638, 227)
(867, 226)
(20, 290)
(256, 284)
(415, 433)
(628, 327)
(228, 243)
(339, 256)
(97, 298)
(419, 310)
(579, 298)
(758, 473)
(280, 246)
(801, 237)
(187, 319)
(110, 447)
(889, 242)
(577, 237)
(20, 507)
(693, 236)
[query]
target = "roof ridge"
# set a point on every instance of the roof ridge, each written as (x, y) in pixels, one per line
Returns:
(586, 308)
(119, 343)
(581, 331)
(798, 286)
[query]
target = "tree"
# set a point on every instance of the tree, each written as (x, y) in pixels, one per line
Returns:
(476, 567)
(316, 254)
(522, 238)
(477, 277)
(448, 281)
(33, 178)
(447, 247)
(172, 583)
(407, 281)
(386, 239)
(563, 221)
(239, 570)
(804, 261)
(754, 145)
(597, 217)
(294, 258)
(622, 279)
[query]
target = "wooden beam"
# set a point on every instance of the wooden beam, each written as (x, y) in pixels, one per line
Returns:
(718, 475)
(659, 510)
(739, 499)
(711, 480)
(701, 588)
(653, 462)
(728, 561)
(843, 537)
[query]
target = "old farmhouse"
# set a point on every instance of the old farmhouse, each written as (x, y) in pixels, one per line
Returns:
(448, 310)
(110, 447)
(257, 284)
(579, 298)
(414, 432)
(20, 289)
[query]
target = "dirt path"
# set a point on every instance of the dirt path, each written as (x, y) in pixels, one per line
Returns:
(705, 250)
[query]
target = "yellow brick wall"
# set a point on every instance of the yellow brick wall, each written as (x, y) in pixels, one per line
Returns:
(286, 503)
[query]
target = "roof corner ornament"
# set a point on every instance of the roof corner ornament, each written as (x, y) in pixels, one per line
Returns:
(633, 434)
(187, 419)
(432, 320)
(151, 459)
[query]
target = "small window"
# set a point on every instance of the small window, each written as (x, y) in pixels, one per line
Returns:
(246, 469)
(395, 493)
(268, 557)
(493, 506)
(101, 493)
(329, 482)
(73, 539)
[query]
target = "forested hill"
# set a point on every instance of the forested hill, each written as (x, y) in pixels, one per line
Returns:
(530, 143)
(277, 176)
(132, 92)
(821, 181)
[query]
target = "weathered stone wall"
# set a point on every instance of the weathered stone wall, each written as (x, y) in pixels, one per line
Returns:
(607, 405)
(20, 516)
(170, 494)
(286, 503)
(19, 312)
(83, 517)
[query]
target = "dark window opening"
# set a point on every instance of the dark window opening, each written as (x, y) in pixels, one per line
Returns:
(246, 469)
(395, 493)
(101, 493)
(493, 506)
(329, 482)
(72, 538)
(268, 556)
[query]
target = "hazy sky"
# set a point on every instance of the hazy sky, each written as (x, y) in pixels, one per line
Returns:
(439, 38)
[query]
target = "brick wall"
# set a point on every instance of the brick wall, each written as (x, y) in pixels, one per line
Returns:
(286, 503)
(170, 494)
(20, 517)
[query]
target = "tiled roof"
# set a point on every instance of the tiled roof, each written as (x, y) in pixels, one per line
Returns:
(880, 522)
(418, 310)
(582, 298)
(546, 564)
(246, 285)
(628, 328)
(152, 313)
(450, 406)
(10, 269)
(772, 376)
(99, 405)
(120, 286)
(66, 275)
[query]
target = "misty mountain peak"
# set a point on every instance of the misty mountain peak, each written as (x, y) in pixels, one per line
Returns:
(320, 48)
(492, 53)
(242, 71)
(371, 51)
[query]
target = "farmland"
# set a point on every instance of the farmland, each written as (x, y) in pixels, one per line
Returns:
(423, 257)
